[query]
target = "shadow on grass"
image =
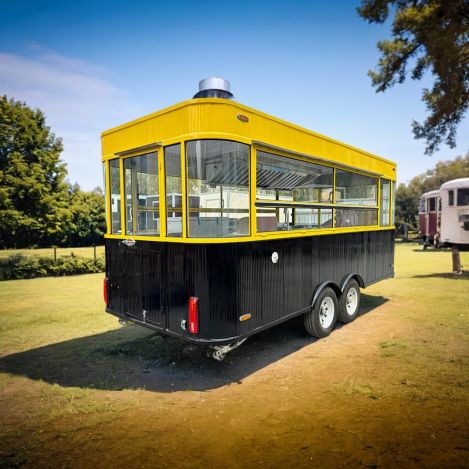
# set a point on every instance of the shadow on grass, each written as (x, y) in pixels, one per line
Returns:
(135, 358)
(463, 276)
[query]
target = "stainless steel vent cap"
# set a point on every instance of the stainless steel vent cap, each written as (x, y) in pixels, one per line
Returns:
(214, 87)
(214, 83)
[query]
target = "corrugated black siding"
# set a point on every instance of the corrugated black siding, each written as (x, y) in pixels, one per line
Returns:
(233, 279)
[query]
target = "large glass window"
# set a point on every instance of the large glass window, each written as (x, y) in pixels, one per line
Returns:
(172, 158)
(115, 190)
(218, 188)
(288, 180)
(385, 202)
(141, 195)
(280, 178)
(355, 189)
(345, 217)
(463, 196)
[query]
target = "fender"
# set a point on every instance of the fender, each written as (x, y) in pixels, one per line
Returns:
(320, 288)
(347, 279)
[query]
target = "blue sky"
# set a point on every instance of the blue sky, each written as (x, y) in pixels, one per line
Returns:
(92, 65)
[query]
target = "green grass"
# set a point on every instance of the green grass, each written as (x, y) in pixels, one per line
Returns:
(46, 310)
(69, 370)
(49, 252)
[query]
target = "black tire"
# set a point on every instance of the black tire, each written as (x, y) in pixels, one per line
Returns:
(350, 297)
(315, 319)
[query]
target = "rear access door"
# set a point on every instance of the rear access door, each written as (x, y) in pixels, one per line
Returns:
(141, 282)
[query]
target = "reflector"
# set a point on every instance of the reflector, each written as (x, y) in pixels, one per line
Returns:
(105, 294)
(193, 315)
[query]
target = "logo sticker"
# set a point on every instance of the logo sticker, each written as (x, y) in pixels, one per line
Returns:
(129, 242)
(275, 257)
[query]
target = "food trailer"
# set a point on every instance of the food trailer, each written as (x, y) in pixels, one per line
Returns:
(223, 221)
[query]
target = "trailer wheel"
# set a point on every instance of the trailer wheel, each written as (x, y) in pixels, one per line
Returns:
(349, 302)
(320, 321)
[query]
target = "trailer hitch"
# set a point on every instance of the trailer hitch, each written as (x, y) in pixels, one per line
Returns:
(220, 351)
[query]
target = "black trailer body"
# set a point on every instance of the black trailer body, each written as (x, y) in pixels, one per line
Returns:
(150, 284)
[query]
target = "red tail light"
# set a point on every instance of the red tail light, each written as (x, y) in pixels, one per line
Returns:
(105, 293)
(193, 315)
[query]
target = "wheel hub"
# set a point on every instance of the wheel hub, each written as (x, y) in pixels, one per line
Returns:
(326, 312)
(351, 301)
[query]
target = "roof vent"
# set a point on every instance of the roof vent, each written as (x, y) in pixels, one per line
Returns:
(214, 87)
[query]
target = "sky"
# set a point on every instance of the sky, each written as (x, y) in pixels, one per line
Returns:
(92, 65)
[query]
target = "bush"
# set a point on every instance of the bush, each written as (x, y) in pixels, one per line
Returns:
(19, 266)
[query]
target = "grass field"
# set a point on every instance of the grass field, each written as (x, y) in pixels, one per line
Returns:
(388, 390)
(49, 252)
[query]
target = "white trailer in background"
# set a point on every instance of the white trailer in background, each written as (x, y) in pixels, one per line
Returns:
(454, 217)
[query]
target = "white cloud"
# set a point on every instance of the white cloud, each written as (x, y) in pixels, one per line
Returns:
(79, 102)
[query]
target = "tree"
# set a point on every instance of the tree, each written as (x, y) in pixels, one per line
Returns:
(33, 191)
(433, 36)
(406, 205)
(88, 220)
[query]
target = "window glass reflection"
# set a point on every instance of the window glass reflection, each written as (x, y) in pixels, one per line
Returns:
(355, 189)
(172, 157)
(142, 195)
(218, 187)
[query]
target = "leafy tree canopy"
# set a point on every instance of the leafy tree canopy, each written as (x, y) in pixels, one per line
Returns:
(37, 205)
(33, 191)
(407, 196)
(88, 220)
(429, 35)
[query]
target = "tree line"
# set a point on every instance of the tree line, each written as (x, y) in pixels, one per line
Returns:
(38, 207)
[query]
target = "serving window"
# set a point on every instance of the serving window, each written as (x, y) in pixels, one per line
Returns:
(142, 195)
(286, 186)
(218, 188)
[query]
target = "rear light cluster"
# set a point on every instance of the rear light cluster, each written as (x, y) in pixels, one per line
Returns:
(193, 315)
(105, 292)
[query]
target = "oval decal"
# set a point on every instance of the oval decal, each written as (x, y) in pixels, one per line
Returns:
(243, 118)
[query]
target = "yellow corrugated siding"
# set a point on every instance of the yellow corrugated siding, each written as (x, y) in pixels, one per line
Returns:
(220, 116)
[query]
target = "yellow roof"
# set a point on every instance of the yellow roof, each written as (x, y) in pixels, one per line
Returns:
(218, 118)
